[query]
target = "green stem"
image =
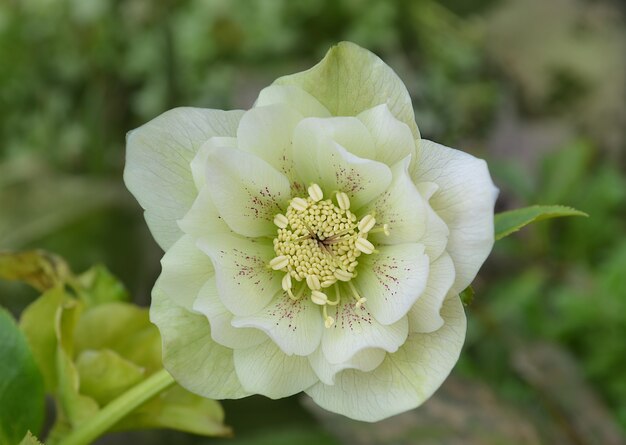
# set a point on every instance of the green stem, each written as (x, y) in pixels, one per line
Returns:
(118, 409)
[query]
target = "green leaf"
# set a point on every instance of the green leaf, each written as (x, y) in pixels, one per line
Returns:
(40, 269)
(29, 439)
(104, 375)
(21, 384)
(511, 221)
(101, 286)
(181, 410)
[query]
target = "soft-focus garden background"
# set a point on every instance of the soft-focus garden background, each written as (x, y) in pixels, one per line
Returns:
(536, 87)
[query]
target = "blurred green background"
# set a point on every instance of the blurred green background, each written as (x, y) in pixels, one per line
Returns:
(536, 87)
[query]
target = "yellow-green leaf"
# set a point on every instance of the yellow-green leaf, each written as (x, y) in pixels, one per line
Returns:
(99, 286)
(29, 439)
(512, 220)
(40, 269)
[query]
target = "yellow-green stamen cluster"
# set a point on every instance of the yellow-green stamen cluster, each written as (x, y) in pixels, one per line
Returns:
(319, 242)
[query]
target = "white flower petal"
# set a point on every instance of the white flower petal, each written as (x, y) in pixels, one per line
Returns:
(245, 283)
(435, 238)
(322, 160)
(355, 329)
(184, 270)
(393, 280)
(365, 360)
(266, 370)
(209, 304)
(203, 219)
(246, 190)
(198, 163)
(190, 355)
(267, 133)
(404, 380)
(465, 201)
(350, 79)
(424, 315)
(295, 326)
(401, 207)
(393, 139)
(158, 156)
(295, 97)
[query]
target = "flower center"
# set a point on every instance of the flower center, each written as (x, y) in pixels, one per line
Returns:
(318, 242)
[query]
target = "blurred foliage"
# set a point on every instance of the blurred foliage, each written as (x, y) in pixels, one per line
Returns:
(536, 87)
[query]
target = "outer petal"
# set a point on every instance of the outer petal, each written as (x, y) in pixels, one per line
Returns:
(351, 79)
(220, 318)
(365, 360)
(245, 283)
(295, 326)
(436, 236)
(267, 370)
(320, 159)
(190, 355)
(185, 269)
(393, 139)
(465, 201)
(401, 207)
(393, 280)
(404, 380)
(158, 156)
(424, 315)
(295, 97)
(355, 330)
(267, 133)
(203, 218)
(246, 190)
(198, 163)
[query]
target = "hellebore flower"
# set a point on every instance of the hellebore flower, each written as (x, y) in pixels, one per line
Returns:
(313, 243)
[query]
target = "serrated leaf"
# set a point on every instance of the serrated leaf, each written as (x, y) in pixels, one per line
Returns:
(181, 410)
(29, 439)
(104, 374)
(512, 220)
(101, 286)
(21, 384)
(40, 269)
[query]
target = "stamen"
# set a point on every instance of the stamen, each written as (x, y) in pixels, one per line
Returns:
(286, 283)
(366, 224)
(364, 245)
(315, 192)
(281, 221)
(384, 228)
(343, 275)
(319, 298)
(313, 282)
(359, 300)
(298, 295)
(328, 283)
(299, 204)
(280, 262)
(342, 201)
(328, 320)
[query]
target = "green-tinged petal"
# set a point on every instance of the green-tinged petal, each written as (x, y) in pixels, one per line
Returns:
(267, 132)
(295, 326)
(355, 329)
(295, 97)
(465, 201)
(392, 138)
(184, 270)
(158, 157)
(349, 132)
(203, 218)
(247, 191)
(198, 163)
(401, 207)
(351, 79)
(424, 315)
(189, 353)
(220, 318)
(365, 360)
(267, 370)
(244, 281)
(404, 380)
(393, 280)
(320, 159)
(435, 238)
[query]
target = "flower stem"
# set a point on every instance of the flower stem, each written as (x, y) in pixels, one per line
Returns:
(118, 409)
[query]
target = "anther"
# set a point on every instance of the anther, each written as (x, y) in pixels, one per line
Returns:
(328, 283)
(299, 204)
(313, 282)
(366, 224)
(286, 283)
(342, 201)
(281, 221)
(364, 245)
(343, 275)
(280, 262)
(319, 298)
(328, 322)
(315, 192)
